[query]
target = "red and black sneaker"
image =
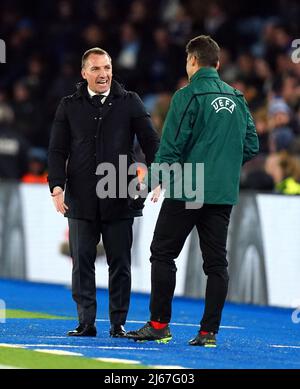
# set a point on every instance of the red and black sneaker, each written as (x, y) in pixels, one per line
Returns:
(148, 333)
(206, 340)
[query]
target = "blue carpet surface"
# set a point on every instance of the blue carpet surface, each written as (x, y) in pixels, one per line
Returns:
(250, 336)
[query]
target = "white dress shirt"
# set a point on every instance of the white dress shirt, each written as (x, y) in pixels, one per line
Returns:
(105, 94)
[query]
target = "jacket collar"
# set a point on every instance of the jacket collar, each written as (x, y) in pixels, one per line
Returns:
(205, 72)
(116, 89)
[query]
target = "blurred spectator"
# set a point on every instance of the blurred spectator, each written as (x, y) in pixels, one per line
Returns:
(140, 15)
(161, 63)
(93, 35)
(281, 139)
(13, 147)
(36, 77)
(290, 91)
(146, 38)
(285, 170)
(180, 26)
(104, 12)
(250, 91)
(160, 110)
(258, 180)
(281, 135)
(62, 30)
(228, 70)
(182, 82)
(37, 163)
(64, 84)
(261, 121)
(218, 24)
(127, 62)
(28, 121)
(278, 43)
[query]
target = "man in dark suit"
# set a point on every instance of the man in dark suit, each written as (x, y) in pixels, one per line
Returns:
(96, 125)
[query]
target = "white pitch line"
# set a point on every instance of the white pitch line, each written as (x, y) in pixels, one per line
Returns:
(283, 346)
(53, 337)
(197, 325)
(11, 345)
(71, 346)
(232, 327)
(58, 352)
(168, 367)
(118, 360)
(176, 324)
(9, 367)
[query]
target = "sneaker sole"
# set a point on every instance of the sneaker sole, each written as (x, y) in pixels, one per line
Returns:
(203, 345)
(160, 341)
(164, 340)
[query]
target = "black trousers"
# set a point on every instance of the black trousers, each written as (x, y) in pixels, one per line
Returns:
(172, 228)
(117, 241)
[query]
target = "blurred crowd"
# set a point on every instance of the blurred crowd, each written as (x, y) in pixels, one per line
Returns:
(146, 39)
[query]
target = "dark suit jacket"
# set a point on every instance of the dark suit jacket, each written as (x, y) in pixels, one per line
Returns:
(84, 136)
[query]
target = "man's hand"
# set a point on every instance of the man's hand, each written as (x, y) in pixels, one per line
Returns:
(155, 194)
(58, 200)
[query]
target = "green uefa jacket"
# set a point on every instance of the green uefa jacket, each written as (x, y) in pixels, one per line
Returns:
(209, 122)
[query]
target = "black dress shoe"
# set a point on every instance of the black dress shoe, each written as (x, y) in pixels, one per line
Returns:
(84, 330)
(117, 331)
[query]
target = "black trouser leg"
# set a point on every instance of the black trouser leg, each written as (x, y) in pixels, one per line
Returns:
(172, 228)
(117, 241)
(212, 228)
(84, 237)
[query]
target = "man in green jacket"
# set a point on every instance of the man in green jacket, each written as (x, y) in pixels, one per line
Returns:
(208, 124)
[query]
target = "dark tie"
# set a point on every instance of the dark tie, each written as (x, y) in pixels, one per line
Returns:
(96, 100)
